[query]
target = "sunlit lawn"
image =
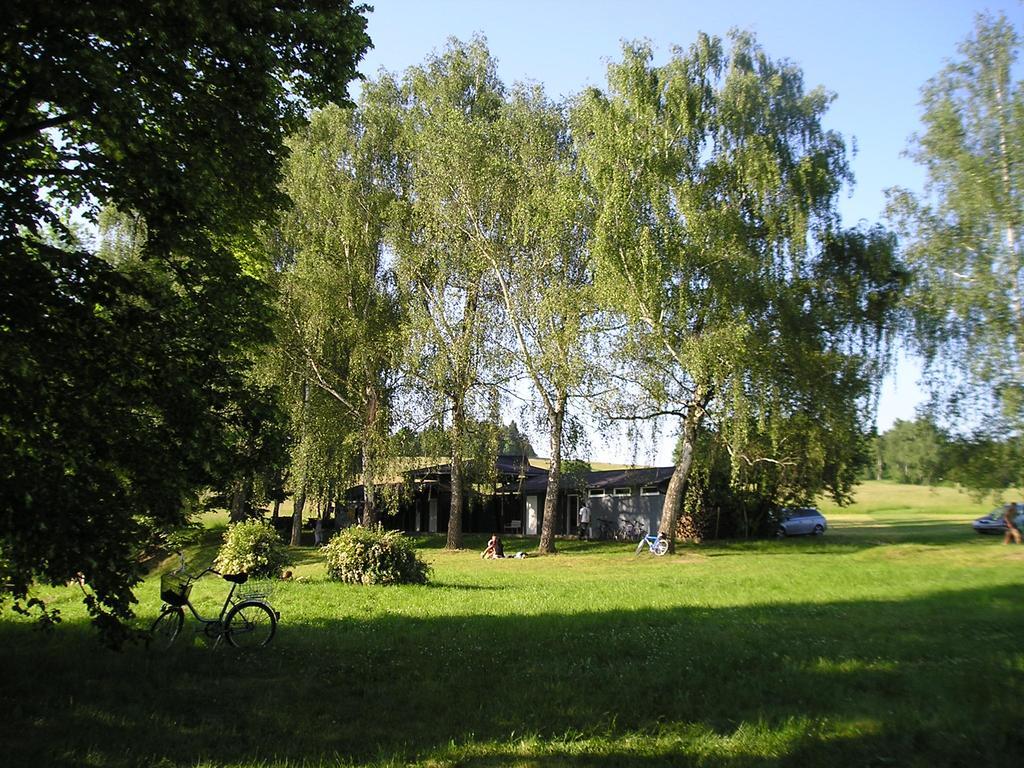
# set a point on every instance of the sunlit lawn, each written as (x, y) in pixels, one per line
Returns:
(894, 640)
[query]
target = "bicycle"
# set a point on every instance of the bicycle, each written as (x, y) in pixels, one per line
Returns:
(246, 620)
(632, 530)
(656, 545)
(605, 531)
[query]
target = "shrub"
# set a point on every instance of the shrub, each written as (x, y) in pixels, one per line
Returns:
(360, 555)
(253, 547)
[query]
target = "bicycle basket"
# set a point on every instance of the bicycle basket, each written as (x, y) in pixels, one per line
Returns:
(175, 588)
(254, 590)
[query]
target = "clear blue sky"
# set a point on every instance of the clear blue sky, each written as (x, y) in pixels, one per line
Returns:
(873, 55)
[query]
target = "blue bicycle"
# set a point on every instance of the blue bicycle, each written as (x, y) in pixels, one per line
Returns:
(656, 545)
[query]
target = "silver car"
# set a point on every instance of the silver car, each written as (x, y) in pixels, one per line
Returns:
(796, 521)
(994, 522)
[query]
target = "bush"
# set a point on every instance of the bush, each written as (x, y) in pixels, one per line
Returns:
(252, 547)
(360, 555)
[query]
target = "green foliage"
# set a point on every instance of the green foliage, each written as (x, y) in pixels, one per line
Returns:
(731, 494)
(135, 91)
(127, 374)
(962, 234)
(453, 212)
(717, 239)
(575, 472)
(919, 452)
(359, 555)
(433, 441)
(337, 350)
(914, 452)
(121, 387)
(255, 548)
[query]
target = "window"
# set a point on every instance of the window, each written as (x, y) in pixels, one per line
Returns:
(650, 490)
(622, 491)
(596, 492)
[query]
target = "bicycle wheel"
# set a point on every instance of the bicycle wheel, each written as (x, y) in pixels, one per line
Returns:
(661, 547)
(167, 627)
(640, 547)
(250, 625)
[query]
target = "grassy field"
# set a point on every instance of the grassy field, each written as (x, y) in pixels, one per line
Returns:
(894, 640)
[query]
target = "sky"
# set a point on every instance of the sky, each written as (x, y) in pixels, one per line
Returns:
(874, 56)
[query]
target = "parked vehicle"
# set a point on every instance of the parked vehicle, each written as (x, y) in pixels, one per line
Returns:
(632, 530)
(797, 521)
(993, 522)
(246, 620)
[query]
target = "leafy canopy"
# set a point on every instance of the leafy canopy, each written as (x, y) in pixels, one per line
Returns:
(128, 377)
(962, 233)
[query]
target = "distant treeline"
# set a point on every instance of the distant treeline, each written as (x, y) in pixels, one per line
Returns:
(920, 452)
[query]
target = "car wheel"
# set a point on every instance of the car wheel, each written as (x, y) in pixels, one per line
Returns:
(780, 533)
(819, 529)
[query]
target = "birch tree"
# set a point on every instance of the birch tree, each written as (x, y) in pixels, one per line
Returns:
(338, 344)
(715, 238)
(962, 234)
(456, 208)
(543, 271)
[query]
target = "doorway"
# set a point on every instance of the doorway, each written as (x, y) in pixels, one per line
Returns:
(572, 514)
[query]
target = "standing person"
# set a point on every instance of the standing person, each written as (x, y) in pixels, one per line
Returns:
(584, 521)
(318, 532)
(1010, 518)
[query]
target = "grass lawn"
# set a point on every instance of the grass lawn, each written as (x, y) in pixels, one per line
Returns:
(895, 640)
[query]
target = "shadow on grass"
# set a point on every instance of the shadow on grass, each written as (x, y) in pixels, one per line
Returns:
(927, 681)
(876, 533)
(305, 555)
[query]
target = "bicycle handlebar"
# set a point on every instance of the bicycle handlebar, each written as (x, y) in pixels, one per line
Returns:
(181, 568)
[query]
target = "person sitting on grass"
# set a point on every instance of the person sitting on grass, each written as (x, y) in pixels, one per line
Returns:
(494, 548)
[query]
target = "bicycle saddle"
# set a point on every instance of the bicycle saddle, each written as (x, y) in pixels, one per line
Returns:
(236, 578)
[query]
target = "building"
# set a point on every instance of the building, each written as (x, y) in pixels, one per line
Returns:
(512, 500)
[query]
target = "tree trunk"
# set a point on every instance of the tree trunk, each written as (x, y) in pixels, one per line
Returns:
(371, 516)
(677, 485)
(277, 509)
(300, 502)
(239, 502)
(547, 531)
(455, 515)
(371, 513)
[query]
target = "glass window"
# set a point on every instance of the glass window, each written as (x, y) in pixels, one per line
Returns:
(596, 492)
(622, 491)
(650, 490)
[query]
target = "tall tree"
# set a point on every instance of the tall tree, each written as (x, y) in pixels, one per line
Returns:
(543, 270)
(122, 381)
(962, 234)
(914, 451)
(246, 464)
(716, 238)
(338, 308)
(457, 196)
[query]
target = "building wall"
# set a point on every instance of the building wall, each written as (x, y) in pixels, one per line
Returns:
(646, 510)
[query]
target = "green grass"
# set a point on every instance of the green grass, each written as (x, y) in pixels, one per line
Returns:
(894, 640)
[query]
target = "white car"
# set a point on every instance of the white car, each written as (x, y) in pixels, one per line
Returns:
(796, 521)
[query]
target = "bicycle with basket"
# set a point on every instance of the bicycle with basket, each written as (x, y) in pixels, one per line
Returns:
(246, 619)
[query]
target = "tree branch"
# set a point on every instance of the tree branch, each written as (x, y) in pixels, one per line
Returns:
(648, 416)
(16, 134)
